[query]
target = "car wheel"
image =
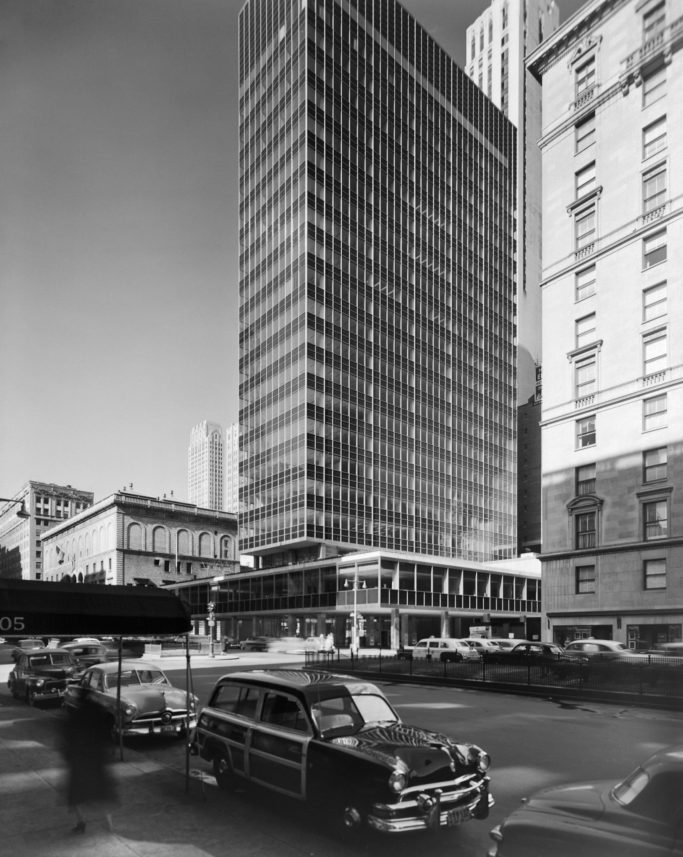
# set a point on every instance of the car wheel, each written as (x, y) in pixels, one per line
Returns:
(222, 771)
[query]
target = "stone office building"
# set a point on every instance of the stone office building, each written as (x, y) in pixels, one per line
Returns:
(612, 409)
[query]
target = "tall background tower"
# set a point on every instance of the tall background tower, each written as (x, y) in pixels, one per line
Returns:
(496, 46)
(205, 466)
(377, 352)
(232, 468)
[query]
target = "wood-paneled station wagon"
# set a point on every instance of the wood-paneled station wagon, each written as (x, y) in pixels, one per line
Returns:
(335, 742)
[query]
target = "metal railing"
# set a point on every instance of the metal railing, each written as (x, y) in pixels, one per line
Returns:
(654, 675)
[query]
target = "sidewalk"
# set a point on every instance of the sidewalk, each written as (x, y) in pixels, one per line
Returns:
(159, 812)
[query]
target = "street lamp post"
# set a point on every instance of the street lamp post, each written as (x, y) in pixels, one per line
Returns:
(22, 513)
(354, 626)
(212, 621)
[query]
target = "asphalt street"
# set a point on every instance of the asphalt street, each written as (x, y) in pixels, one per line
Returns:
(533, 742)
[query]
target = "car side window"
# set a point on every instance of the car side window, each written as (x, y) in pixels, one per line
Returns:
(280, 710)
(661, 798)
(233, 698)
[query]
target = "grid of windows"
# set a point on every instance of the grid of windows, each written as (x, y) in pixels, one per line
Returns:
(373, 176)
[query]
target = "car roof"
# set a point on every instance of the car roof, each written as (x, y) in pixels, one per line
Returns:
(113, 666)
(312, 684)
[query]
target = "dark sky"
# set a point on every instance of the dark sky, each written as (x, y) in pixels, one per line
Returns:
(118, 213)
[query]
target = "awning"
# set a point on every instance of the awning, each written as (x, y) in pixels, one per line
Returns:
(32, 607)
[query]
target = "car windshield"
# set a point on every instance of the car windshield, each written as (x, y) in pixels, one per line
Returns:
(54, 659)
(344, 715)
(138, 676)
(628, 790)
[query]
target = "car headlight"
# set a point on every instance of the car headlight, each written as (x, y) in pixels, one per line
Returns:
(483, 761)
(39, 682)
(130, 710)
(397, 781)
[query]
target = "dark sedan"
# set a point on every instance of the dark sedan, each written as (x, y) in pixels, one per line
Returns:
(642, 816)
(41, 675)
(527, 652)
(335, 742)
(87, 654)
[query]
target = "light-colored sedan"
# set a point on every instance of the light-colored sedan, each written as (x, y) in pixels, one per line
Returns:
(482, 645)
(595, 651)
(149, 704)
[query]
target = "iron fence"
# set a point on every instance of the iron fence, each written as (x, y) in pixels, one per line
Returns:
(656, 676)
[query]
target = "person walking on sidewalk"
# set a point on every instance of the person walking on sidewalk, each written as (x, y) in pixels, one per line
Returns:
(87, 750)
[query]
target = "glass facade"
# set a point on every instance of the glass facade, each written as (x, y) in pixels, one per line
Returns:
(377, 308)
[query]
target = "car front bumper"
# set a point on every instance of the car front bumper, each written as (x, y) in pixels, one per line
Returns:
(177, 726)
(42, 694)
(431, 810)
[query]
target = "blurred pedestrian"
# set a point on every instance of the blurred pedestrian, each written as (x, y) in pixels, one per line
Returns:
(88, 749)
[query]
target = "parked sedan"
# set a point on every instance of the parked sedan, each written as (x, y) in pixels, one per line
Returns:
(482, 645)
(255, 644)
(149, 704)
(642, 816)
(529, 653)
(41, 675)
(596, 651)
(335, 742)
(87, 654)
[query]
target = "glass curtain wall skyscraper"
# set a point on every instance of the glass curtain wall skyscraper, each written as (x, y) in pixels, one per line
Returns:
(377, 290)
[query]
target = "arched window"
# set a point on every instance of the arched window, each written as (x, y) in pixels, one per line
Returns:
(226, 548)
(205, 548)
(184, 543)
(134, 539)
(160, 539)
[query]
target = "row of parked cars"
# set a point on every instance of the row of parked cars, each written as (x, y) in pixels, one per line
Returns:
(514, 651)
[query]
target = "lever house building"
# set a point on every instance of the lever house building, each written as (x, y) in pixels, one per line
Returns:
(377, 293)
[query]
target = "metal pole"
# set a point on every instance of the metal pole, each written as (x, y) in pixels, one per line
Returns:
(187, 705)
(355, 612)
